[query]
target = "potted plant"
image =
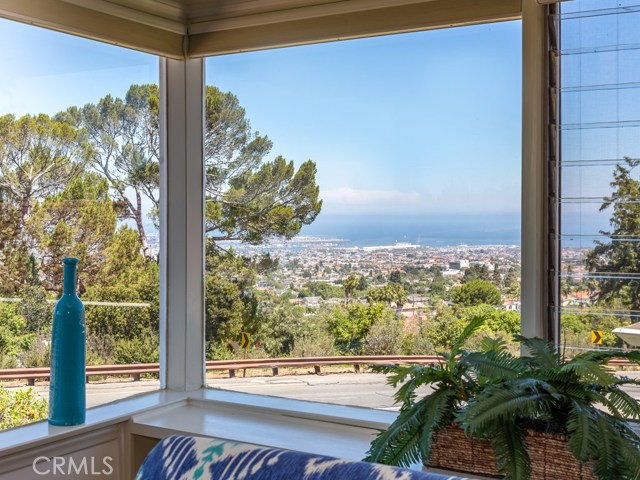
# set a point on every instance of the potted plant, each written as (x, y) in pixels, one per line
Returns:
(531, 410)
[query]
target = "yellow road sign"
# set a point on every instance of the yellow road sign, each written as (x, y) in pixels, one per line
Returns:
(596, 337)
(245, 340)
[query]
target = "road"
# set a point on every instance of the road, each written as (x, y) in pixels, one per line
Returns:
(363, 390)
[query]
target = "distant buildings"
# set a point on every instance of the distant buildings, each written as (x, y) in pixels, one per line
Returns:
(459, 264)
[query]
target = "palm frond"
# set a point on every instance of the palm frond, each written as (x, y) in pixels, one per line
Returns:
(583, 433)
(398, 444)
(600, 356)
(544, 353)
(507, 441)
(622, 380)
(495, 364)
(438, 413)
(628, 406)
(589, 370)
(401, 373)
(607, 464)
(416, 377)
(488, 344)
(508, 400)
(470, 329)
(629, 449)
(409, 436)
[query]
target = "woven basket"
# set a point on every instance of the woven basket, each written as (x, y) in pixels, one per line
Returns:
(550, 456)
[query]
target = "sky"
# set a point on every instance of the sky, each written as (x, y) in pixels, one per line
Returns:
(425, 123)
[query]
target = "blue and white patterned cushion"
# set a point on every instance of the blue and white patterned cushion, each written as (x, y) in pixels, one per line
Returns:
(181, 458)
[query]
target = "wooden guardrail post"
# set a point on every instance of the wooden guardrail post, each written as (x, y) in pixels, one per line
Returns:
(316, 368)
(356, 367)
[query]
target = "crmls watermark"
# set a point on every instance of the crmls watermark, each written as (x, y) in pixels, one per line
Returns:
(69, 466)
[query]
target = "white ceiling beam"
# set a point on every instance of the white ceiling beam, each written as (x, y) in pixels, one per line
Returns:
(178, 29)
(274, 15)
(285, 28)
(172, 21)
(85, 22)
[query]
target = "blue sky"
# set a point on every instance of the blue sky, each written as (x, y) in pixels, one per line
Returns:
(421, 123)
(425, 122)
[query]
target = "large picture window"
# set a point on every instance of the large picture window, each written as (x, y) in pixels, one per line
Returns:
(600, 234)
(363, 198)
(79, 153)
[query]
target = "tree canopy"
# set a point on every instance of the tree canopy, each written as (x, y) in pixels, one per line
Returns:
(476, 292)
(619, 258)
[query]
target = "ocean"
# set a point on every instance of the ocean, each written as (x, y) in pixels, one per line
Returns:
(427, 230)
(580, 229)
(445, 230)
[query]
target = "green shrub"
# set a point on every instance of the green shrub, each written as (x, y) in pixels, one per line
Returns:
(350, 325)
(476, 292)
(219, 351)
(38, 354)
(34, 308)
(419, 344)
(9, 361)
(144, 348)
(116, 321)
(99, 350)
(21, 407)
(319, 344)
(13, 338)
(384, 338)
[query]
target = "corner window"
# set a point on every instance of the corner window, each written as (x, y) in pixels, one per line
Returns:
(78, 178)
(600, 277)
(363, 198)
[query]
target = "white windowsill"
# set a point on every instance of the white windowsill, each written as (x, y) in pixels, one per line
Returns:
(41, 432)
(311, 427)
(326, 429)
(243, 417)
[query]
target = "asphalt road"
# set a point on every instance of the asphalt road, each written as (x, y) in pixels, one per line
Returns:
(363, 390)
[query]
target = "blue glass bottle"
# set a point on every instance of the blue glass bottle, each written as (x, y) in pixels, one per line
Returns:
(67, 395)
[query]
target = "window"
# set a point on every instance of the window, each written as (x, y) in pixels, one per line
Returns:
(354, 190)
(600, 186)
(78, 177)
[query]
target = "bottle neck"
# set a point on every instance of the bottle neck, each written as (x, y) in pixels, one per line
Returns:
(69, 279)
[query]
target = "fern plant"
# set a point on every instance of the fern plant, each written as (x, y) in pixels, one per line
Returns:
(454, 382)
(495, 395)
(578, 397)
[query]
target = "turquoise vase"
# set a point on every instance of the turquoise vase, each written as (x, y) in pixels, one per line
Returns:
(67, 396)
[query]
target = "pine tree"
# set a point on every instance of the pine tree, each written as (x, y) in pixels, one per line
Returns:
(620, 257)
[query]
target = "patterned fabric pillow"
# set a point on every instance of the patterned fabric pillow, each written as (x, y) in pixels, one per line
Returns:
(181, 458)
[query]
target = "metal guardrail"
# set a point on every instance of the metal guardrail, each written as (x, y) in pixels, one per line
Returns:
(85, 302)
(136, 369)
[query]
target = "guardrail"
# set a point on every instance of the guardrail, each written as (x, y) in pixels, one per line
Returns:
(136, 369)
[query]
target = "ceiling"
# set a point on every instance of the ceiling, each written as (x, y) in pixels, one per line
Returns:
(196, 28)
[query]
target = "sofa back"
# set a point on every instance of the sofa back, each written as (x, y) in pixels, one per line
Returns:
(182, 457)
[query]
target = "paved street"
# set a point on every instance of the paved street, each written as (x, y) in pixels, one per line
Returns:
(364, 390)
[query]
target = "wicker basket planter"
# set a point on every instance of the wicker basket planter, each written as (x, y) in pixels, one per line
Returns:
(549, 453)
